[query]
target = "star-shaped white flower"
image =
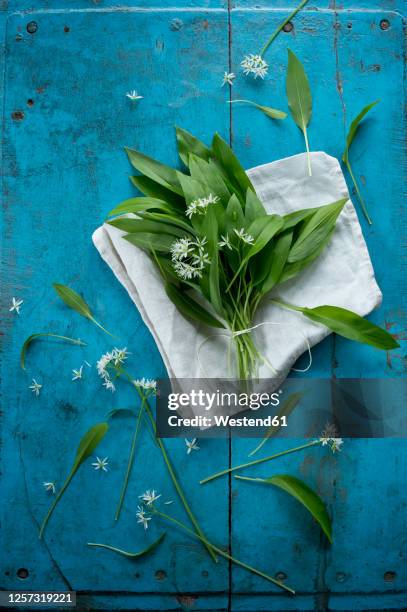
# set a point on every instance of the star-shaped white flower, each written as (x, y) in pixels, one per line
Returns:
(16, 305)
(133, 95)
(244, 236)
(149, 497)
(142, 517)
(49, 486)
(228, 78)
(191, 445)
(35, 387)
(77, 374)
(225, 242)
(101, 464)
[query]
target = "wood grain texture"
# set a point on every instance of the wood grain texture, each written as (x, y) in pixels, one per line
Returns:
(64, 168)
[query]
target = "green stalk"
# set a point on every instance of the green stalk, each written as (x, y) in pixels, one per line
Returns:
(281, 26)
(129, 463)
(257, 461)
(224, 554)
(362, 203)
(308, 153)
(54, 503)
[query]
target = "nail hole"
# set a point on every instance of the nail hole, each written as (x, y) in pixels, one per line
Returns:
(340, 577)
(67, 29)
(288, 27)
(281, 576)
(22, 573)
(160, 575)
(384, 24)
(32, 27)
(389, 576)
(17, 115)
(30, 102)
(349, 26)
(137, 575)
(205, 574)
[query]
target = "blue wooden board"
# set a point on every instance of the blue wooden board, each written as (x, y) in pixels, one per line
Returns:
(64, 169)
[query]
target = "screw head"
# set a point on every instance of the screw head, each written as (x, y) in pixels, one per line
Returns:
(288, 27)
(384, 24)
(32, 27)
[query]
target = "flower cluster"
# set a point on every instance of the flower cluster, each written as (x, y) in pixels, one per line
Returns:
(199, 206)
(244, 236)
(189, 257)
(113, 358)
(148, 384)
(254, 64)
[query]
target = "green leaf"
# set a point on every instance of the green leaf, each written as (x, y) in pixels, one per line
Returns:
(158, 172)
(234, 215)
(293, 269)
(187, 144)
(345, 157)
(153, 189)
(210, 230)
(34, 337)
(299, 97)
(273, 113)
(315, 230)
(231, 166)
(285, 410)
(131, 555)
(87, 445)
(136, 205)
(281, 249)
(302, 493)
(168, 219)
(76, 302)
(296, 217)
(254, 207)
(347, 324)
(151, 242)
(354, 127)
(189, 308)
(135, 226)
(210, 175)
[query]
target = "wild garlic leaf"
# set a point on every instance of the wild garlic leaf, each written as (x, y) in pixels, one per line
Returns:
(281, 26)
(87, 445)
(158, 172)
(151, 242)
(34, 337)
(285, 410)
(302, 493)
(210, 175)
(345, 157)
(135, 226)
(153, 189)
(315, 230)
(347, 324)
(273, 113)
(299, 98)
(187, 144)
(167, 219)
(131, 555)
(210, 229)
(281, 249)
(254, 207)
(291, 270)
(231, 166)
(136, 205)
(76, 302)
(189, 308)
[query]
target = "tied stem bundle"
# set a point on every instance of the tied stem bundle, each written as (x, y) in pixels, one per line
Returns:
(218, 250)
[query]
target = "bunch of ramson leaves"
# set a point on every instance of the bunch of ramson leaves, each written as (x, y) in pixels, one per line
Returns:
(220, 253)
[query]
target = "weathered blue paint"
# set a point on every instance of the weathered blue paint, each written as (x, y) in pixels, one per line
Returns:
(64, 168)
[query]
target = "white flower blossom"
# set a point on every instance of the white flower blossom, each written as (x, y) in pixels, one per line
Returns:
(113, 358)
(181, 248)
(201, 259)
(35, 387)
(149, 384)
(187, 271)
(191, 445)
(200, 205)
(247, 238)
(101, 464)
(77, 374)
(225, 242)
(133, 95)
(149, 497)
(228, 78)
(254, 64)
(142, 517)
(170, 501)
(328, 438)
(16, 305)
(49, 486)
(108, 385)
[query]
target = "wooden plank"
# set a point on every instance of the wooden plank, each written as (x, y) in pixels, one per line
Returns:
(64, 169)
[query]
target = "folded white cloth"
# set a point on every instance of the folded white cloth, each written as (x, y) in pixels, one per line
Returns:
(342, 276)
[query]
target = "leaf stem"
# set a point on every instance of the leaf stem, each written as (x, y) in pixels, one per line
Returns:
(130, 462)
(308, 153)
(257, 461)
(101, 327)
(54, 503)
(281, 26)
(362, 203)
(225, 555)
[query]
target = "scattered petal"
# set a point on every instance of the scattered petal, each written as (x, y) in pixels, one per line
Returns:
(101, 464)
(133, 95)
(35, 387)
(191, 445)
(149, 497)
(16, 305)
(49, 486)
(77, 374)
(228, 78)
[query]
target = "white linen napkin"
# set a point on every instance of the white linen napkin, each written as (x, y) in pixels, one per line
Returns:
(342, 276)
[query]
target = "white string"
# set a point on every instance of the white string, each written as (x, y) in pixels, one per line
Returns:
(262, 357)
